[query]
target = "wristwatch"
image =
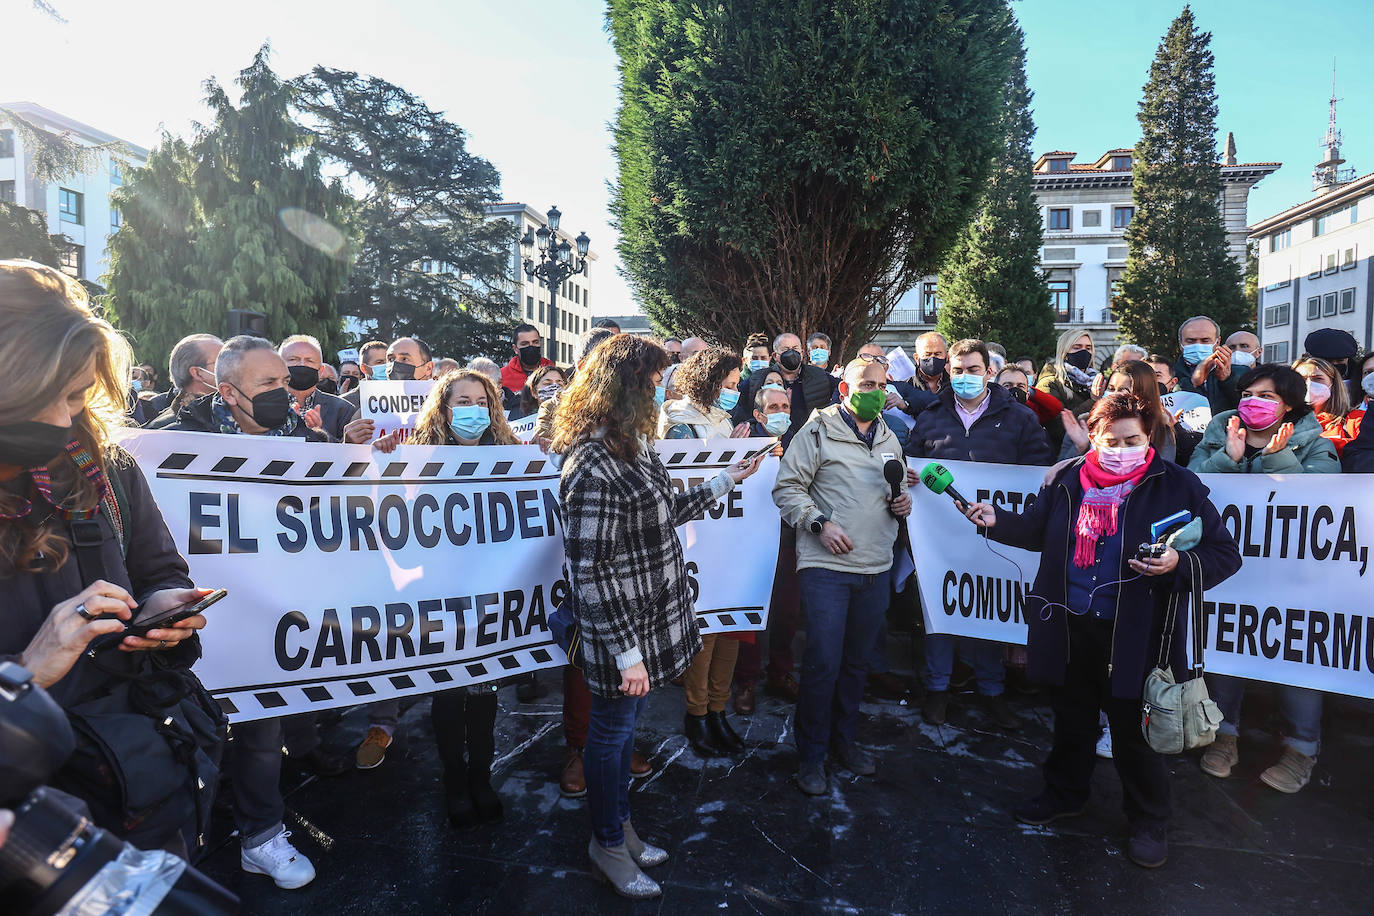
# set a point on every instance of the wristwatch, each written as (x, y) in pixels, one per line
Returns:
(818, 524)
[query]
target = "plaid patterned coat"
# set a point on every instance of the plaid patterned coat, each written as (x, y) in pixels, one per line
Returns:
(624, 563)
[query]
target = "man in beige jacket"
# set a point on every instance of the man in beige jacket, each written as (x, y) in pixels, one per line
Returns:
(831, 488)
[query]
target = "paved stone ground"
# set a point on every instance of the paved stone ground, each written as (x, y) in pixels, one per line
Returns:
(930, 833)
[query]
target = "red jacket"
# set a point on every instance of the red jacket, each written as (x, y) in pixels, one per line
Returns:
(513, 374)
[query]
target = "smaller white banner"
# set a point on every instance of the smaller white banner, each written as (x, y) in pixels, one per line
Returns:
(524, 429)
(350, 355)
(1192, 411)
(392, 405)
(900, 368)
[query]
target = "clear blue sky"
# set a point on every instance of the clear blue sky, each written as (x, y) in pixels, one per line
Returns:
(534, 82)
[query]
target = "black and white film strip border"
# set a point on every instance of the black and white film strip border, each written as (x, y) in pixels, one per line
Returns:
(382, 469)
(733, 620)
(710, 456)
(348, 691)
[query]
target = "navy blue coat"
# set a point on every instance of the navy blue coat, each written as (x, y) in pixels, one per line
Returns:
(1006, 433)
(1048, 527)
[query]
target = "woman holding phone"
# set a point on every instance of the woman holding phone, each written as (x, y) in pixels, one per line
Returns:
(64, 481)
(1096, 616)
(626, 577)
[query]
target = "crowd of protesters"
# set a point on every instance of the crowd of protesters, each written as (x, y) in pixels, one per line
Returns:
(1096, 422)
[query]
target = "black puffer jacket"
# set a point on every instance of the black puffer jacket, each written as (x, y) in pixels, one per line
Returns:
(197, 417)
(1006, 433)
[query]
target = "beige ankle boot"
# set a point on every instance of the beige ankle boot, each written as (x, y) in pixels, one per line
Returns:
(615, 867)
(645, 856)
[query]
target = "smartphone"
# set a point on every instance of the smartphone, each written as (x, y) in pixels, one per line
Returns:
(173, 615)
(759, 451)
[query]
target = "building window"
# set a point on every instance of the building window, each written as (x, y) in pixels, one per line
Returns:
(1061, 218)
(1122, 216)
(6, 143)
(1314, 308)
(116, 219)
(1331, 265)
(1061, 297)
(116, 173)
(1276, 316)
(1328, 305)
(930, 301)
(1092, 218)
(1347, 300)
(1121, 163)
(74, 261)
(1280, 240)
(1348, 259)
(7, 192)
(541, 313)
(1059, 165)
(1319, 225)
(585, 296)
(70, 206)
(1276, 352)
(529, 307)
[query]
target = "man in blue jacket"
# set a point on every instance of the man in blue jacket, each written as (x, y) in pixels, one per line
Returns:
(975, 420)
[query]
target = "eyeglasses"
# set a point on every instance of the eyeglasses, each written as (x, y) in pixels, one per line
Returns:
(870, 358)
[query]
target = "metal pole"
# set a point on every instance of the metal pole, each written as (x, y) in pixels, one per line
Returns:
(553, 312)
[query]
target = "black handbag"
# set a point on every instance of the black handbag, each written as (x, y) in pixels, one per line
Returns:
(566, 630)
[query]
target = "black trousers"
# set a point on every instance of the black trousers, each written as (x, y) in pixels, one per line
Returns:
(1087, 688)
(465, 722)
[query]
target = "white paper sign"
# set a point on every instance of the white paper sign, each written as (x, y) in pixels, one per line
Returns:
(1192, 410)
(351, 355)
(355, 576)
(392, 405)
(900, 368)
(524, 428)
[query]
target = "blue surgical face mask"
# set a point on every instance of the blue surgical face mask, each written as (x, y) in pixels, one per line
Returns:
(967, 386)
(1196, 353)
(1367, 383)
(470, 421)
(378, 372)
(820, 356)
(774, 386)
(1242, 359)
(660, 395)
(758, 365)
(727, 399)
(138, 384)
(778, 424)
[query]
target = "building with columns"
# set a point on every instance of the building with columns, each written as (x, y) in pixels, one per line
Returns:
(1085, 208)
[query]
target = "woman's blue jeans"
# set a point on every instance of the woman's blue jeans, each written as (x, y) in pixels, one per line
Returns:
(606, 763)
(1301, 708)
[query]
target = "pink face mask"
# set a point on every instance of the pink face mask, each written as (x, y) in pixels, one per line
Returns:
(1259, 413)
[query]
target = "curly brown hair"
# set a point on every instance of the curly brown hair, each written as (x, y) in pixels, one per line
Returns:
(613, 391)
(432, 425)
(701, 377)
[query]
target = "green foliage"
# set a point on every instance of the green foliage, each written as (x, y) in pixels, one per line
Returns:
(798, 164)
(24, 234)
(420, 199)
(238, 218)
(55, 157)
(991, 285)
(1178, 264)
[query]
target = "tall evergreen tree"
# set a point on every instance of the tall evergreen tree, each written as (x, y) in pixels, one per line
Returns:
(991, 285)
(798, 165)
(1179, 263)
(24, 234)
(240, 218)
(421, 196)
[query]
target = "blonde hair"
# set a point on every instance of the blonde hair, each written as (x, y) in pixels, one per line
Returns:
(1061, 349)
(1338, 404)
(49, 337)
(433, 427)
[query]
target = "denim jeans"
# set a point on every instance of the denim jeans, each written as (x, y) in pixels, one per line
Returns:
(255, 774)
(1300, 707)
(385, 714)
(843, 612)
(606, 762)
(984, 655)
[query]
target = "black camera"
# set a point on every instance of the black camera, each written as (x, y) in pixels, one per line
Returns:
(1153, 551)
(56, 859)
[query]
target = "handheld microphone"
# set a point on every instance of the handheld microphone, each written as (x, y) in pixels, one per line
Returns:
(894, 472)
(938, 479)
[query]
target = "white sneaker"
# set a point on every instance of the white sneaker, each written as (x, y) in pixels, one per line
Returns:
(1104, 744)
(280, 861)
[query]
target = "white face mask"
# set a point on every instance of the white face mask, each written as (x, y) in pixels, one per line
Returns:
(1318, 393)
(1121, 460)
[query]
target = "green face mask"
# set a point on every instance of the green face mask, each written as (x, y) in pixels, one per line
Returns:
(866, 405)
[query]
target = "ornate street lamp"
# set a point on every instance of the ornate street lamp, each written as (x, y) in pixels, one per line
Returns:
(555, 265)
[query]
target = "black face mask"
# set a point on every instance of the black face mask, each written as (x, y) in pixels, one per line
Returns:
(791, 360)
(1079, 359)
(328, 386)
(675, 358)
(400, 372)
(931, 366)
(530, 356)
(303, 378)
(31, 444)
(348, 383)
(1021, 396)
(270, 408)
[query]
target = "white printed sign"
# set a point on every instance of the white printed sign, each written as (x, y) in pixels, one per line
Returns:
(355, 576)
(392, 405)
(524, 428)
(1192, 410)
(1300, 610)
(900, 368)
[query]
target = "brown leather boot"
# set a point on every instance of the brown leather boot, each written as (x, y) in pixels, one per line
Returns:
(640, 766)
(573, 782)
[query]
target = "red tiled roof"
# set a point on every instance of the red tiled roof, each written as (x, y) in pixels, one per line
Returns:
(1058, 152)
(1124, 150)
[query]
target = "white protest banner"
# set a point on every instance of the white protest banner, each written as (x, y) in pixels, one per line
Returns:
(899, 365)
(355, 576)
(392, 405)
(350, 355)
(524, 429)
(1192, 410)
(1300, 610)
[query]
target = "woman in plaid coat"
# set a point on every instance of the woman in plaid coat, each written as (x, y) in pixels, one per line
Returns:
(626, 577)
